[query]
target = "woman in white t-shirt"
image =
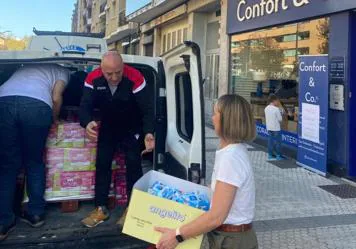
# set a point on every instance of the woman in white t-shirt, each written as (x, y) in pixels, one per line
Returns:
(228, 224)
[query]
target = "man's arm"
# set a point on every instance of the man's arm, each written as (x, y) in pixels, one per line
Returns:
(279, 115)
(143, 97)
(57, 98)
(145, 103)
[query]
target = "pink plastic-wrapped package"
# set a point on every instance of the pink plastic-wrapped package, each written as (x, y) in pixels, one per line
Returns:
(54, 158)
(79, 159)
(120, 188)
(70, 135)
(77, 181)
(52, 136)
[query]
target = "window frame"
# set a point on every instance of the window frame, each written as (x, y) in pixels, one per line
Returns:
(187, 137)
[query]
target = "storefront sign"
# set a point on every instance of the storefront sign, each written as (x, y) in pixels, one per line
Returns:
(288, 138)
(313, 100)
(247, 15)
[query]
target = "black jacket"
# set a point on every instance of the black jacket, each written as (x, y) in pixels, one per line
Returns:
(129, 109)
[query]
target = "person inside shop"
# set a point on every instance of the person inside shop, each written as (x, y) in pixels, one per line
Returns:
(30, 100)
(126, 111)
(274, 118)
(228, 224)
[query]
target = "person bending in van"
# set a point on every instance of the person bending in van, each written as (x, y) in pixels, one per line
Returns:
(29, 102)
(228, 223)
(126, 111)
(274, 118)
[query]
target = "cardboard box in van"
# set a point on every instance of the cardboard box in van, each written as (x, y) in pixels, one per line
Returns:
(147, 211)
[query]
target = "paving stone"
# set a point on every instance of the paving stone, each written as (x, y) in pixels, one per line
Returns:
(291, 210)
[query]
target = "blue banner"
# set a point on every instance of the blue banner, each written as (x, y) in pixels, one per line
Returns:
(313, 106)
(288, 138)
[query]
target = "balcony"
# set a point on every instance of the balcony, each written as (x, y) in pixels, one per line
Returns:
(122, 32)
(152, 10)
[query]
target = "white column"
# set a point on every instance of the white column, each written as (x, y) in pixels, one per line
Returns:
(224, 52)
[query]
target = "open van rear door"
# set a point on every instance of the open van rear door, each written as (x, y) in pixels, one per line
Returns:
(185, 141)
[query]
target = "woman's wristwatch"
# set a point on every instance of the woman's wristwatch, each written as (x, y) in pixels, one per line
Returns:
(179, 237)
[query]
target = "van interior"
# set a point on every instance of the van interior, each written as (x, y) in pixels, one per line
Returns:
(64, 229)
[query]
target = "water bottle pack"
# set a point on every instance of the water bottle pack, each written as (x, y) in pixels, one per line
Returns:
(193, 199)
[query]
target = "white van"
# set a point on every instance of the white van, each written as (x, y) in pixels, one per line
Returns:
(175, 80)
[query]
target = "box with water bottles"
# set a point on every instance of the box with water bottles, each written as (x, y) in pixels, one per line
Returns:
(166, 201)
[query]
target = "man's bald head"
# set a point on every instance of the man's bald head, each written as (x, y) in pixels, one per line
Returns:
(112, 66)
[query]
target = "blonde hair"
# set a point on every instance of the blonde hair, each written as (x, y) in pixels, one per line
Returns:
(236, 119)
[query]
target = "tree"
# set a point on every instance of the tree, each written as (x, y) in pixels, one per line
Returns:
(323, 34)
(262, 54)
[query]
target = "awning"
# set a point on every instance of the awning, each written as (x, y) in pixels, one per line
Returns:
(153, 10)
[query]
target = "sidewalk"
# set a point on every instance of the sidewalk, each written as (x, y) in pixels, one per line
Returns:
(291, 210)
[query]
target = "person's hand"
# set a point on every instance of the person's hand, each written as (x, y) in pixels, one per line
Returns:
(149, 143)
(91, 131)
(168, 239)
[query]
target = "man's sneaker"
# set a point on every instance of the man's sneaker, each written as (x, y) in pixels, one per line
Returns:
(96, 217)
(122, 219)
(33, 220)
(280, 158)
(271, 158)
(5, 230)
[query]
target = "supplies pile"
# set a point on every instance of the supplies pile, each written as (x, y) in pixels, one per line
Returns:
(193, 199)
(70, 166)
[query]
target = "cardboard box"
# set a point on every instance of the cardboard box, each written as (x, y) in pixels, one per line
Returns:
(147, 211)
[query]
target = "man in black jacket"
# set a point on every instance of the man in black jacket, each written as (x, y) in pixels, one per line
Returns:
(126, 111)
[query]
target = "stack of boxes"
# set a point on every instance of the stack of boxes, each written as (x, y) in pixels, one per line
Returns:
(70, 166)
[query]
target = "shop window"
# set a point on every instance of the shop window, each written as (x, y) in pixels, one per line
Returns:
(266, 61)
(184, 100)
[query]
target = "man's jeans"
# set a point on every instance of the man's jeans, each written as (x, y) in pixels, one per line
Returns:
(24, 127)
(274, 143)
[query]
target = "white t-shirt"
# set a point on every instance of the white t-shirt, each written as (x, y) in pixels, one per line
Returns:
(273, 118)
(35, 81)
(232, 166)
